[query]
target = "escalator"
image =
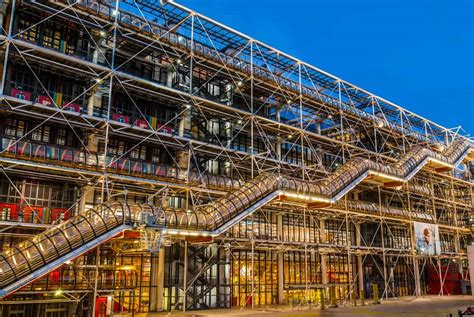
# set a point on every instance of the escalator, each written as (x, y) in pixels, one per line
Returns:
(217, 217)
(33, 258)
(43, 253)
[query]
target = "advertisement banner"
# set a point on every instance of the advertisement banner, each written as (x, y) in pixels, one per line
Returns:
(427, 238)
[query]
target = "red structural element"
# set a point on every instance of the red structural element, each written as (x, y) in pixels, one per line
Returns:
(129, 234)
(32, 214)
(60, 214)
(45, 100)
(451, 276)
(101, 307)
(120, 118)
(141, 123)
(8, 212)
(72, 107)
(55, 277)
(200, 240)
(164, 128)
(21, 94)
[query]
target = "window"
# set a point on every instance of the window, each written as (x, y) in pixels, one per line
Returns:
(159, 155)
(14, 128)
(212, 166)
(27, 30)
(52, 37)
(213, 89)
(40, 134)
(155, 155)
(177, 202)
(116, 147)
(61, 137)
(138, 152)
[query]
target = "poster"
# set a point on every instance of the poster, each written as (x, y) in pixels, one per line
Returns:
(427, 238)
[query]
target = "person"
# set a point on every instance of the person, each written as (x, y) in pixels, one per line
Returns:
(425, 242)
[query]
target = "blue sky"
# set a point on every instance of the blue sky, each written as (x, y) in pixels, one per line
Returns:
(416, 53)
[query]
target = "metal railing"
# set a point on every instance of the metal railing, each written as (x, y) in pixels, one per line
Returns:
(65, 156)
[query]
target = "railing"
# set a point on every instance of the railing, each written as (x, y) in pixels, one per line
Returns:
(60, 155)
(79, 278)
(376, 209)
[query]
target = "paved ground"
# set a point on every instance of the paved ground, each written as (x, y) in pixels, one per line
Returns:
(429, 306)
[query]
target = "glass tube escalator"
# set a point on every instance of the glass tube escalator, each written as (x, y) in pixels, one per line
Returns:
(30, 259)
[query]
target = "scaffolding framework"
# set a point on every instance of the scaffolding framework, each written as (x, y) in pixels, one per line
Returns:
(255, 178)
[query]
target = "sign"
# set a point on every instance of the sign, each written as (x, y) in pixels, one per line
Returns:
(427, 238)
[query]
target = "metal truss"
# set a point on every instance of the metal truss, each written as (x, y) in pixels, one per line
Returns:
(241, 105)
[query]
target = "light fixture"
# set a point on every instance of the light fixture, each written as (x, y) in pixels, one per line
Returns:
(58, 292)
(290, 136)
(68, 262)
(98, 80)
(114, 13)
(188, 106)
(330, 116)
(103, 33)
(179, 61)
(239, 83)
(380, 124)
(239, 121)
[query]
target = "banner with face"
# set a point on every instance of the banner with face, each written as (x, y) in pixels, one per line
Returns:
(427, 238)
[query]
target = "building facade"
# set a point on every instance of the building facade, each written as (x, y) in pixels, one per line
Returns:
(154, 159)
